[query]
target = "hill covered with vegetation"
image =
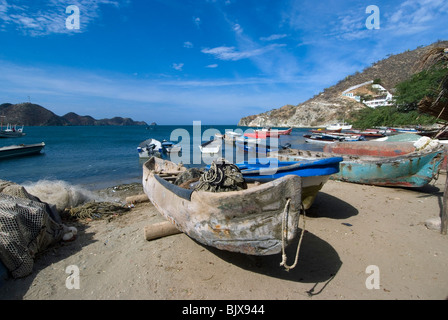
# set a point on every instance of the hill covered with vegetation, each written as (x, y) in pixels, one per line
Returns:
(404, 75)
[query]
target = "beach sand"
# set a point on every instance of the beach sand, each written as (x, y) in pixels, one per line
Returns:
(349, 229)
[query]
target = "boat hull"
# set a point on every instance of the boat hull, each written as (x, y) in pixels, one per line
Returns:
(11, 134)
(262, 134)
(380, 164)
(247, 221)
(314, 174)
(21, 150)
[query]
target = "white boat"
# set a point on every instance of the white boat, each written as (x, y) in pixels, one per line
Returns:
(231, 137)
(148, 148)
(211, 147)
(21, 150)
(10, 131)
(171, 147)
(339, 126)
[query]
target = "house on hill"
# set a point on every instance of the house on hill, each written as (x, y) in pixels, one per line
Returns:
(371, 94)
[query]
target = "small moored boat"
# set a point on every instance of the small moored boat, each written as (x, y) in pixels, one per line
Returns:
(171, 147)
(10, 131)
(211, 146)
(149, 148)
(21, 150)
(268, 132)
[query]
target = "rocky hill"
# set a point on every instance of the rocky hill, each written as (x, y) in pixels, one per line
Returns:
(330, 106)
(30, 114)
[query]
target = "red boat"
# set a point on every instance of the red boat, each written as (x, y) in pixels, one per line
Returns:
(268, 132)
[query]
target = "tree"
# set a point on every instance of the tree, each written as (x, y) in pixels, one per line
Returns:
(420, 85)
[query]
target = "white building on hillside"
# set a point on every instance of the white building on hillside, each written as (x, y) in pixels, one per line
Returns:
(381, 97)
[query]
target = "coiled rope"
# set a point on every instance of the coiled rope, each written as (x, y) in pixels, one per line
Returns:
(284, 223)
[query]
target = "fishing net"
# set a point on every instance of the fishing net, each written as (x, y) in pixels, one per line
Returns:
(26, 228)
(97, 210)
(222, 177)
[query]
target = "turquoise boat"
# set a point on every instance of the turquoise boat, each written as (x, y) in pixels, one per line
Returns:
(380, 163)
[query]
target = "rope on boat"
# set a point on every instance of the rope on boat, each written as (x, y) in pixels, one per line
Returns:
(221, 177)
(284, 258)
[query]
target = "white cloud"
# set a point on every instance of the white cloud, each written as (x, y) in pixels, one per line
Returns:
(237, 28)
(231, 54)
(197, 21)
(186, 100)
(273, 37)
(178, 66)
(188, 44)
(212, 66)
(41, 20)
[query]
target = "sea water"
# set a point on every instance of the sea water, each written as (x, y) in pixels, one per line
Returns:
(96, 157)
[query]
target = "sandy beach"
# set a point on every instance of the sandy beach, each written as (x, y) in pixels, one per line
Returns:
(361, 242)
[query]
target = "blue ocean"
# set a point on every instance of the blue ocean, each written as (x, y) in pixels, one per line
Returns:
(96, 157)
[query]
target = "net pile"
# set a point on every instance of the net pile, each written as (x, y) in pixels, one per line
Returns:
(26, 228)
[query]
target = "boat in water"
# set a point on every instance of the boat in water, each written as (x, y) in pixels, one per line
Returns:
(268, 132)
(10, 131)
(314, 173)
(325, 138)
(259, 147)
(339, 126)
(170, 147)
(260, 219)
(149, 148)
(212, 146)
(21, 150)
(231, 136)
(379, 163)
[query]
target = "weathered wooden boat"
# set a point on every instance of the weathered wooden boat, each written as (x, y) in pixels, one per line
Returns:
(259, 220)
(21, 150)
(314, 173)
(268, 132)
(380, 163)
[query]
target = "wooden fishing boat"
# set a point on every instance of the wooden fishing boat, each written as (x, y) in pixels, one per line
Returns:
(331, 138)
(314, 173)
(251, 221)
(379, 163)
(268, 132)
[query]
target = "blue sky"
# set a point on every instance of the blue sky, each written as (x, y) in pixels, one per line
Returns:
(215, 61)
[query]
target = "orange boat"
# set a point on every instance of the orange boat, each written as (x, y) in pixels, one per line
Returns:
(268, 132)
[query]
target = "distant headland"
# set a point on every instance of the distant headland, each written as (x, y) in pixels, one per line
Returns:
(30, 114)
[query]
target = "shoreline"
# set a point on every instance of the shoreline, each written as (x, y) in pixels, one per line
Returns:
(349, 228)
